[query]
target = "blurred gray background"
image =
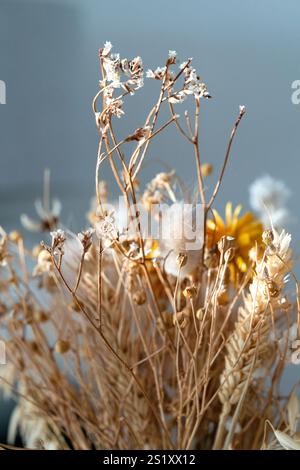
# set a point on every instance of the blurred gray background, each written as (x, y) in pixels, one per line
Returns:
(247, 53)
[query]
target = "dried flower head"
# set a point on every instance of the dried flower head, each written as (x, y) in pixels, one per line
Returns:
(86, 238)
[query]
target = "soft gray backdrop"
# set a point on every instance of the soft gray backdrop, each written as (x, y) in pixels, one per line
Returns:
(246, 51)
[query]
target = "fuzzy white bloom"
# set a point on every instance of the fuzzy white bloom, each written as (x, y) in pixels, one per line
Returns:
(268, 197)
(173, 56)
(184, 64)
(242, 109)
(181, 234)
(107, 48)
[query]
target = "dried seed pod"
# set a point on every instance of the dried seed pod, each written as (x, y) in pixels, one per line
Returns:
(229, 255)
(181, 259)
(225, 243)
(268, 237)
(139, 297)
(223, 297)
(40, 316)
(190, 292)
(181, 318)
(200, 313)
(166, 322)
(34, 346)
(273, 288)
(284, 303)
(62, 346)
(211, 258)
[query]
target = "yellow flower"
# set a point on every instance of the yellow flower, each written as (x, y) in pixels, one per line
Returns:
(246, 230)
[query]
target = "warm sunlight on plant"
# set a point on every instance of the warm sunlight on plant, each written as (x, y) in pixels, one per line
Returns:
(168, 334)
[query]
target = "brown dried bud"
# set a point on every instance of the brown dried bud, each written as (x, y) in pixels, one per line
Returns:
(40, 316)
(181, 318)
(190, 292)
(273, 288)
(284, 303)
(139, 297)
(34, 346)
(211, 258)
(181, 259)
(225, 243)
(139, 134)
(86, 239)
(200, 313)
(166, 322)
(268, 237)
(223, 297)
(229, 255)
(62, 346)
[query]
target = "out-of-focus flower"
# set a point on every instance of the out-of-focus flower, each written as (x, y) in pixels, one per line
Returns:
(268, 198)
(47, 211)
(48, 218)
(246, 231)
(158, 189)
(106, 228)
(44, 263)
(206, 169)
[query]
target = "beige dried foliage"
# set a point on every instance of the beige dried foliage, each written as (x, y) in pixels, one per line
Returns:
(114, 342)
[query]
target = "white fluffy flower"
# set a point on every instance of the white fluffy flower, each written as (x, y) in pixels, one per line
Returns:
(268, 197)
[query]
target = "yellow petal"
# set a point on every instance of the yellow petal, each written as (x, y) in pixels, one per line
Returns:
(235, 217)
(241, 264)
(218, 220)
(245, 219)
(228, 214)
(244, 239)
(211, 225)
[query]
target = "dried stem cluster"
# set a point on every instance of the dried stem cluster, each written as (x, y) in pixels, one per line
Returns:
(106, 348)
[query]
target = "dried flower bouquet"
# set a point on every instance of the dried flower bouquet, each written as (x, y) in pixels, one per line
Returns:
(121, 339)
